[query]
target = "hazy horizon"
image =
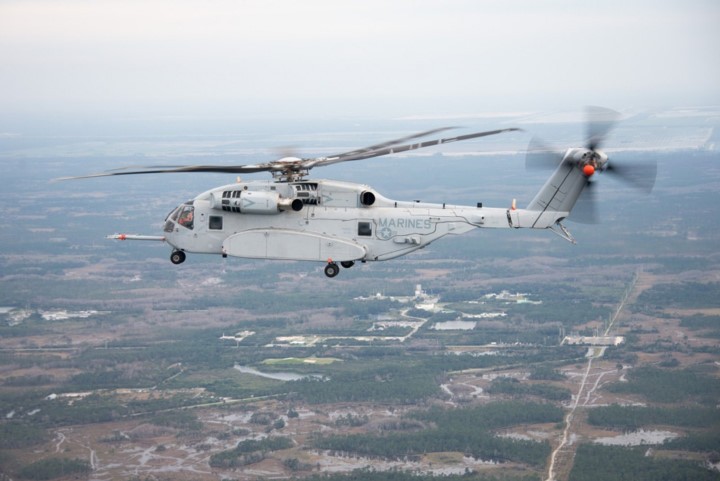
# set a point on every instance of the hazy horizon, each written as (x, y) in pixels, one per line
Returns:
(319, 59)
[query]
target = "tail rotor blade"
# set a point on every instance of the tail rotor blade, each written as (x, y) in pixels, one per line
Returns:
(599, 121)
(540, 156)
(640, 175)
(586, 207)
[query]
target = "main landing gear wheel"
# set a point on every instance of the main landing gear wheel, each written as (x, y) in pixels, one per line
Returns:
(347, 264)
(177, 257)
(331, 269)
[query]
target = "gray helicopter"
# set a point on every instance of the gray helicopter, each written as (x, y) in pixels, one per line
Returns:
(339, 223)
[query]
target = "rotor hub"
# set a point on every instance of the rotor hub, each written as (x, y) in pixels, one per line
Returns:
(591, 161)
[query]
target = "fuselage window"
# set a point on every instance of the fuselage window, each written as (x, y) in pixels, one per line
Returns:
(215, 222)
(364, 229)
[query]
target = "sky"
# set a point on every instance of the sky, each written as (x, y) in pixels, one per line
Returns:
(265, 58)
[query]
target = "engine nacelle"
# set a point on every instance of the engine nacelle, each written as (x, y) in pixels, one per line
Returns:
(290, 204)
(250, 202)
(367, 198)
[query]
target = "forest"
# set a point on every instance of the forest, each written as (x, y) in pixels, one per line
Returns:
(613, 463)
(51, 468)
(513, 387)
(249, 452)
(399, 475)
(467, 430)
(668, 385)
(631, 418)
(682, 295)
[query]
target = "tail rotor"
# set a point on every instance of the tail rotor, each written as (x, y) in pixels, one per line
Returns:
(590, 159)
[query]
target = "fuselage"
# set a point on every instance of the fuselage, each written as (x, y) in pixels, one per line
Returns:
(319, 220)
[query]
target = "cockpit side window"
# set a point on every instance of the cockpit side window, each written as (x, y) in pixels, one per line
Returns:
(186, 217)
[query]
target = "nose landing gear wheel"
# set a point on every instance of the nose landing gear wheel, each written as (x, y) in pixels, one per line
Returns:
(347, 264)
(331, 269)
(177, 257)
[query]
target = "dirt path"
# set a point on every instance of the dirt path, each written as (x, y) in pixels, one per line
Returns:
(61, 439)
(555, 456)
(562, 457)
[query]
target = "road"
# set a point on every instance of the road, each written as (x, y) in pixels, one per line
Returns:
(563, 455)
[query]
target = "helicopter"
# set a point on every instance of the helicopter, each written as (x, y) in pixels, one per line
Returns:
(295, 217)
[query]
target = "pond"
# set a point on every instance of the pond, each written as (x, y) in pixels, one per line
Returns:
(637, 438)
(279, 376)
(454, 326)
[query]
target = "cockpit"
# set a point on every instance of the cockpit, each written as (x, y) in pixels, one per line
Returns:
(183, 215)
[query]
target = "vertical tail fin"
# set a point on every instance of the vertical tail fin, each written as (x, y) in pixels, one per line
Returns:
(557, 197)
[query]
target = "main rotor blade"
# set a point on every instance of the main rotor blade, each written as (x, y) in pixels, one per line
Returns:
(289, 168)
(640, 175)
(390, 142)
(402, 148)
(599, 121)
(231, 169)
